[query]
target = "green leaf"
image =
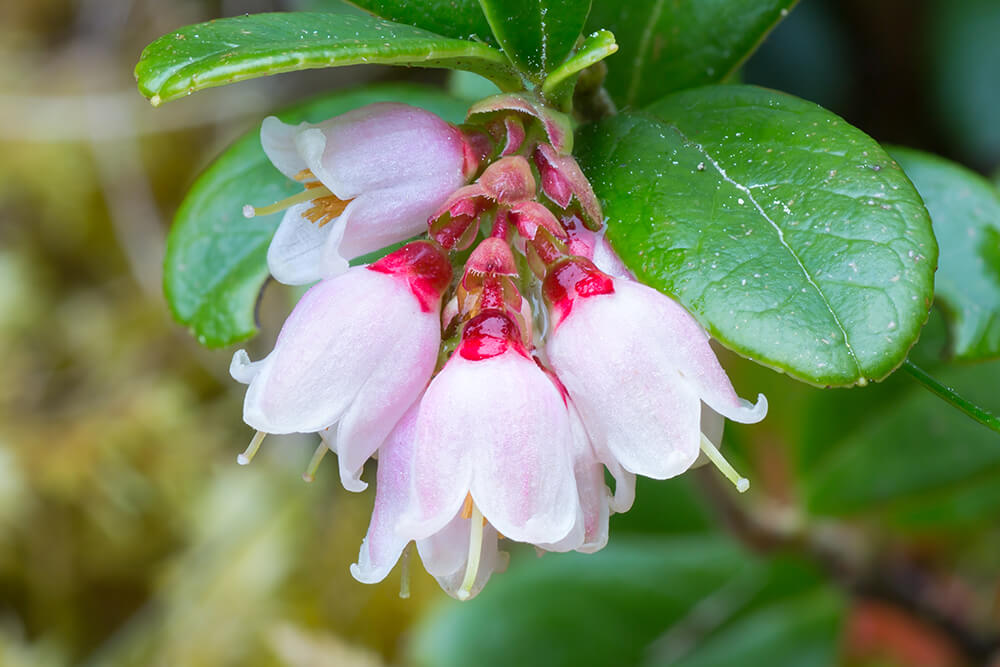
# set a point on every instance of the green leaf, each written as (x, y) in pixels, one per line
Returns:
(791, 235)
(965, 210)
(462, 19)
(669, 46)
(536, 35)
(558, 86)
(216, 259)
(229, 50)
(905, 457)
(676, 600)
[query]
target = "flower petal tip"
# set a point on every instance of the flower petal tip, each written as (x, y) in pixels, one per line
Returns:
(241, 368)
(754, 412)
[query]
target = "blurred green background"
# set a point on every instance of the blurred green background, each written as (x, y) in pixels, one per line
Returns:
(128, 535)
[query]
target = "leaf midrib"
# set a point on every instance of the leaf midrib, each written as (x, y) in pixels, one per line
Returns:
(781, 238)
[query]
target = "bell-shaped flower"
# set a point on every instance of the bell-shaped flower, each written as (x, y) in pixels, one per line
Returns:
(445, 554)
(637, 366)
(355, 352)
(597, 502)
(372, 177)
(493, 434)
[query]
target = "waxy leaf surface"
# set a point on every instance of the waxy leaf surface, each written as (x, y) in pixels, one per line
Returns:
(234, 49)
(965, 211)
(791, 235)
(216, 260)
(669, 46)
(462, 19)
(536, 35)
(638, 602)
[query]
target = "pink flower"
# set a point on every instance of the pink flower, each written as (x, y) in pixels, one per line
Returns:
(493, 428)
(356, 352)
(637, 367)
(446, 553)
(597, 503)
(372, 177)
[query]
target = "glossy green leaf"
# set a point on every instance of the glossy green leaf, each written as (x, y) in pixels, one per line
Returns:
(216, 259)
(234, 49)
(641, 601)
(900, 454)
(965, 210)
(462, 19)
(669, 46)
(536, 34)
(559, 85)
(791, 235)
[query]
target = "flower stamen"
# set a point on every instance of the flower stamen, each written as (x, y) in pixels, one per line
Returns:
(741, 483)
(310, 474)
(251, 450)
(306, 195)
(325, 209)
(475, 551)
(404, 572)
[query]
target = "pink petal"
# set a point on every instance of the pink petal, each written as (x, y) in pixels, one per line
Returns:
(380, 146)
(382, 546)
(380, 218)
(689, 351)
(343, 332)
(645, 415)
(518, 427)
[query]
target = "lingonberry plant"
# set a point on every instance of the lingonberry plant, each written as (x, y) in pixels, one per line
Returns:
(513, 299)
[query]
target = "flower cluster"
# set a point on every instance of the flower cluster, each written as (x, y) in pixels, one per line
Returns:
(498, 366)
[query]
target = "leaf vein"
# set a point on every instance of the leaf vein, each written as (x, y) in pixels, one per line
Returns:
(781, 239)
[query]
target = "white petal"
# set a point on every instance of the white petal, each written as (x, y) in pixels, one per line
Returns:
(689, 352)
(242, 369)
(642, 412)
(515, 421)
(489, 562)
(278, 141)
(445, 552)
(295, 254)
(337, 337)
(383, 546)
(385, 396)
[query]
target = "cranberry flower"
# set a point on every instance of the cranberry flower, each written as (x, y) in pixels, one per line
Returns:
(506, 440)
(355, 353)
(371, 177)
(446, 553)
(639, 387)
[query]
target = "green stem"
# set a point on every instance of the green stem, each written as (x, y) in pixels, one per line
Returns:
(949, 395)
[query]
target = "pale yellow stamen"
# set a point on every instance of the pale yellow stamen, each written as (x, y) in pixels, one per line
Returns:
(251, 450)
(310, 474)
(475, 552)
(404, 573)
(306, 195)
(326, 205)
(715, 456)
